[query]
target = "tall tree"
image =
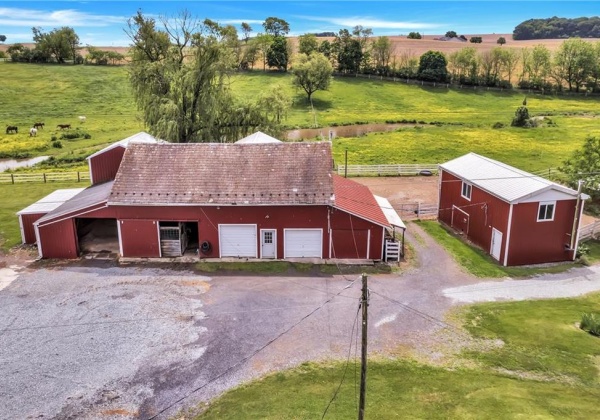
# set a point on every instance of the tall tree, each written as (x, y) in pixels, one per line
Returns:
(179, 80)
(2, 38)
(584, 164)
(349, 53)
(61, 43)
(573, 63)
(312, 73)
(264, 41)
(433, 67)
(382, 52)
(276, 27)
(540, 64)
(246, 30)
(307, 44)
(278, 54)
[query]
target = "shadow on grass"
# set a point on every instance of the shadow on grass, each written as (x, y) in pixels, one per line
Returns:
(288, 268)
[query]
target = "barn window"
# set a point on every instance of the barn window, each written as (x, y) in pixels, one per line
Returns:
(546, 211)
(466, 191)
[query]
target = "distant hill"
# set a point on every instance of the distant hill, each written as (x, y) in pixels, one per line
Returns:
(555, 27)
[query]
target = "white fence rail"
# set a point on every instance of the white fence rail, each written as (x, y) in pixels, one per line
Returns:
(44, 177)
(590, 231)
(388, 170)
(416, 210)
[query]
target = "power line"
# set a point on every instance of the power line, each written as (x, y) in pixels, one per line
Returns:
(346, 367)
(251, 355)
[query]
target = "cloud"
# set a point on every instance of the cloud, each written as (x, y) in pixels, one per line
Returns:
(373, 23)
(52, 19)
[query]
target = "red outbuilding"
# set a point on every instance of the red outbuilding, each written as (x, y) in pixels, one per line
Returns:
(518, 217)
(267, 200)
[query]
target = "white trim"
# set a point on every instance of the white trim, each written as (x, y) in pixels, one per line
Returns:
(76, 213)
(91, 171)
(238, 224)
(261, 242)
(546, 203)
(508, 230)
(330, 241)
(107, 148)
(368, 243)
(120, 239)
(463, 212)
(578, 228)
(22, 229)
(462, 188)
(37, 240)
(157, 223)
(291, 229)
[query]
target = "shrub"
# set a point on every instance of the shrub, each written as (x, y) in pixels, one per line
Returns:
(582, 250)
(57, 144)
(475, 40)
(521, 118)
(498, 125)
(590, 323)
(75, 134)
(53, 138)
(414, 35)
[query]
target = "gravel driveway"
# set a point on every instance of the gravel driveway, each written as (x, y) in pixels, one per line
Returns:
(95, 340)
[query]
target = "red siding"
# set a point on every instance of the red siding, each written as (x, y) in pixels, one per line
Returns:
(350, 237)
(533, 242)
(27, 221)
(58, 240)
(104, 166)
(139, 238)
(484, 211)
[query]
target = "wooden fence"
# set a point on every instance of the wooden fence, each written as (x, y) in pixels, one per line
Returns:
(387, 170)
(590, 231)
(19, 178)
(417, 210)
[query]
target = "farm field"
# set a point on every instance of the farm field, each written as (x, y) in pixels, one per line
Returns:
(544, 369)
(59, 94)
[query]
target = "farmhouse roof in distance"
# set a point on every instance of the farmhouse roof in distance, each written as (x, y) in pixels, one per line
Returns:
(503, 181)
(141, 137)
(226, 174)
(257, 138)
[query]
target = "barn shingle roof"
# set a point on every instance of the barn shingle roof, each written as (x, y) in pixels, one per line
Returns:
(358, 199)
(227, 174)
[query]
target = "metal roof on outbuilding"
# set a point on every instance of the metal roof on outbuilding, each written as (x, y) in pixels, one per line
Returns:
(258, 138)
(89, 197)
(51, 201)
(501, 180)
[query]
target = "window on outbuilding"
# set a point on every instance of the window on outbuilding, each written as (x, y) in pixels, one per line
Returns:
(466, 191)
(546, 211)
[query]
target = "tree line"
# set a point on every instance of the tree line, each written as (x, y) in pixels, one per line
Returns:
(556, 27)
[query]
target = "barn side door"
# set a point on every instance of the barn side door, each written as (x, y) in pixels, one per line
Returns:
(496, 245)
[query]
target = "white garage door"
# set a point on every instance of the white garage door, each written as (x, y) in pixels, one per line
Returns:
(237, 241)
(299, 243)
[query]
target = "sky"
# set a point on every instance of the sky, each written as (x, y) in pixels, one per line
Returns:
(101, 23)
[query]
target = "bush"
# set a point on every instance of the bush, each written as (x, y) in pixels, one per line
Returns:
(590, 323)
(414, 35)
(57, 144)
(75, 134)
(505, 84)
(521, 118)
(53, 138)
(498, 125)
(476, 40)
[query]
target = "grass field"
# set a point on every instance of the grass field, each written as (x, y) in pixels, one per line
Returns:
(59, 94)
(547, 368)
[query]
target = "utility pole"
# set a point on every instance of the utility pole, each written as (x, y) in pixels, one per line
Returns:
(346, 163)
(363, 351)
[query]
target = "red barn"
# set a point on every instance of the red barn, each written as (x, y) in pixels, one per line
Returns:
(518, 217)
(105, 163)
(265, 200)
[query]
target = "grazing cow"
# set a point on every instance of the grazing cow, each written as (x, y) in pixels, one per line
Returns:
(12, 129)
(32, 132)
(82, 118)
(63, 126)
(38, 125)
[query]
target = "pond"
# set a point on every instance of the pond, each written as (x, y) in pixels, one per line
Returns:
(355, 130)
(21, 163)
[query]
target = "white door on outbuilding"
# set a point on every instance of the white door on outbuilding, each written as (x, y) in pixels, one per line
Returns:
(238, 241)
(496, 246)
(303, 243)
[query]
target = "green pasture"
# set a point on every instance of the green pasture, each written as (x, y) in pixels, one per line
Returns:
(17, 197)
(59, 94)
(542, 366)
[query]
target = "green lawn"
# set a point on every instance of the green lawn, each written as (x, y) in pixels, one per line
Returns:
(541, 341)
(17, 197)
(478, 263)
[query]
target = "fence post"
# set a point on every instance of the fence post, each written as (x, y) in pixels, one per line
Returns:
(12, 178)
(418, 209)
(44, 177)
(78, 177)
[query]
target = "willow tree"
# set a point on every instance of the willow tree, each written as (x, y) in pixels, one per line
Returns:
(180, 80)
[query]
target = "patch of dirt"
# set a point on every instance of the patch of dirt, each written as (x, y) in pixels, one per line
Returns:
(405, 189)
